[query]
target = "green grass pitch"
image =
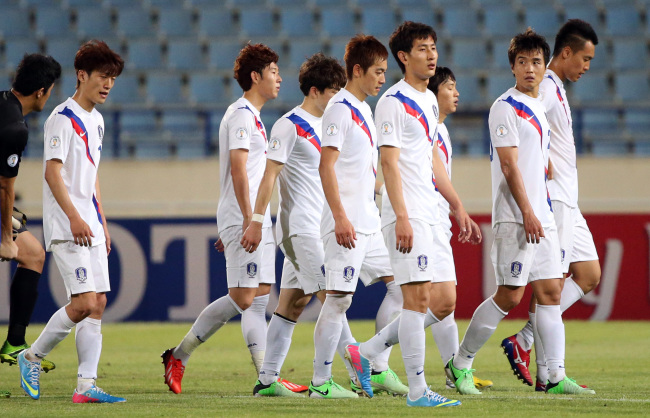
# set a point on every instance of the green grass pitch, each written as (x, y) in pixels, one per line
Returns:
(610, 357)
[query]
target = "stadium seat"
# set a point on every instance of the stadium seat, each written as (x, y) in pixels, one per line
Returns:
(410, 3)
(297, 22)
(337, 49)
(602, 59)
(66, 86)
(589, 13)
(90, 4)
(14, 23)
(600, 123)
(223, 54)
(185, 55)
(290, 94)
(378, 21)
(468, 53)
(145, 54)
(211, 4)
(469, 87)
(16, 49)
(164, 88)
(41, 3)
(185, 130)
(460, 21)
(217, 23)
(63, 50)
(207, 88)
(300, 50)
(52, 21)
(500, 54)
(138, 121)
(637, 122)
(418, 14)
(593, 87)
(126, 90)
(338, 22)
(502, 21)
(497, 84)
(257, 22)
(544, 20)
(291, 3)
(633, 87)
(93, 24)
(135, 22)
(623, 21)
(175, 22)
(165, 4)
(630, 54)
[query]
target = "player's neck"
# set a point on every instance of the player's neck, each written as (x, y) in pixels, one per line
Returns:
(557, 69)
(83, 101)
(442, 117)
(25, 102)
(309, 106)
(353, 87)
(255, 98)
(532, 93)
(416, 83)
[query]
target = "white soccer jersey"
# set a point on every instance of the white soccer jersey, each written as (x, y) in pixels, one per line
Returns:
(241, 128)
(407, 120)
(444, 152)
(518, 120)
(295, 142)
(73, 136)
(564, 186)
(348, 127)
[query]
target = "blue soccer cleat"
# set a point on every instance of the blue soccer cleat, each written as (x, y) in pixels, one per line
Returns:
(431, 399)
(30, 375)
(95, 395)
(361, 366)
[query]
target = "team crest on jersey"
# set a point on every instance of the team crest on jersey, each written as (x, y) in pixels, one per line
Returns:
(274, 144)
(322, 269)
(423, 262)
(12, 160)
(241, 133)
(386, 128)
(515, 269)
(435, 111)
(251, 269)
(332, 130)
(81, 274)
(501, 131)
(55, 141)
(100, 131)
(348, 274)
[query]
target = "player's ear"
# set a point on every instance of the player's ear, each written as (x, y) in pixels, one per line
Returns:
(357, 71)
(256, 77)
(566, 52)
(402, 57)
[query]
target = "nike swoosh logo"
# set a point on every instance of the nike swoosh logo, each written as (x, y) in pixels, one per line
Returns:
(327, 363)
(361, 123)
(322, 393)
(420, 372)
(529, 118)
(84, 134)
(420, 115)
(309, 137)
(29, 387)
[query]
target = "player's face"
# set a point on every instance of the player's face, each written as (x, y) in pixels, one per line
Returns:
(578, 63)
(373, 79)
(95, 86)
(322, 99)
(448, 97)
(529, 68)
(269, 85)
(421, 61)
(41, 101)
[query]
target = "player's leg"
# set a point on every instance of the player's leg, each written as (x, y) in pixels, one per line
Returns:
(390, 308)
(584, 268)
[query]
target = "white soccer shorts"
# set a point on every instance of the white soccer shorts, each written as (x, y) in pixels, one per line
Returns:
(84, 269)
(303, 263)
(576, 241)
(244, 269)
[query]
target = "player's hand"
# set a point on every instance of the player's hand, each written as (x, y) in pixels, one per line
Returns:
(465, 224)
(252, 237)
(403, 236)
(81, 232)
(8, 250)
(533, 229)
(476, 236)
(219, 246)
(108, 241)
(345, 233)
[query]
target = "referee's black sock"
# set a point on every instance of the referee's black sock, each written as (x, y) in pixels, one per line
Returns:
(22, 299)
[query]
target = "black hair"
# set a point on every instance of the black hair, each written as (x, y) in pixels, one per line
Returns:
(442, 74)
(321, 72)
(403, 37)
(35, 72)
(574, 33)
(528, 41)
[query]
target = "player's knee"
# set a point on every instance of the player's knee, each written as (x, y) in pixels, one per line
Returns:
(340, 303)
(445, 309)
(299, 306)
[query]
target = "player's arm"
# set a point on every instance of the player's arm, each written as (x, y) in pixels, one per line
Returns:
(80, 230)
(98, 197)
(238, 159)
(253, 234)
(344, 231)
(379, 187)
(393, 181)
(8, 248)
(467, 229)
(508, 157)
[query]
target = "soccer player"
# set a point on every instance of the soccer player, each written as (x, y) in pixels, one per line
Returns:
(74, 224)
(31, 88)
(526, 246)
(243, 143)
(575, 46)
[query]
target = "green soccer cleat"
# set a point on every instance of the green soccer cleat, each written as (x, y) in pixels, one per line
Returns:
(274, 389)
(9, 354)
(568, 386)
(387, 381)
(463, 379)
(330, 390)
(355, 388)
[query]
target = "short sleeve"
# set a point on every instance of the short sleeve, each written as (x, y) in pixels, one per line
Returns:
(504, 131)
(12, 144)
(241, 126)
(336, 122)
(389, 120)
(548, 92)
(283, 139)
(57, 138)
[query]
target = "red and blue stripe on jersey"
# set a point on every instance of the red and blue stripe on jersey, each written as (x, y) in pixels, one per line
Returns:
(559, 96)
(304, 130)
(358, 118)
(413, 109)
(443, 147)
(79, 128)
(258, 124)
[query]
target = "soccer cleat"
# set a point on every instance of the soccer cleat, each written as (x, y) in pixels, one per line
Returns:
(294, 387)
(482, 383)
(355, 388)
(174, 370)
(274, 389)
(519, 359)
(431, 399)
(330, 390)
(540, 386)
(387, 381)
(568, 386)
(30, 374)
(449, 384)
(5, 394)
(95, 395)
(463, 379)
(361, 366)
(9, 354)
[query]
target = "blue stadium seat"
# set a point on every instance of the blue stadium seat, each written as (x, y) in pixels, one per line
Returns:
(602, 59)
(291, 3)
(378, 21)
(502, 21)
(623, 21)
(500, 54)
(145, 54)
(338, 22)
(633, 87)
(223, 54)
(207, 88)
(135, 22)
(581, 10)
(297, 22)
(290, 94)
(419, 14)
(468, 53)
(410, 3)
(141, 134)
(16, 49)
(210, 4)
(126, 90)
(14, 23)
(593, 87)
(66, 86)
(600, 122)
(175, 22)
(334, 4)
(217, 23)
(544, 20)
(637, 122)
(165, 4)
(301, 50)
(257, 22)
(630, 54)
(497, 84)
(41, 3)
(138, 121)
(460, 21)
(185, 55)
(91, 4)
(249, 4)
(337, 49)
(469, 87)
(93, 23)
(186, 132)
(63, 50)
(164, 88)
(52, 21)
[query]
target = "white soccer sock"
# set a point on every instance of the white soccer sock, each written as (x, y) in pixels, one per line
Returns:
(327, 334)
(484, 322)
(412, 339)
(344, 341)
(389, 309)
(525, 336)
(571, 293)
(445, 334)
(430, 319)
(278, 341)
(88, 339)
(384, 339)
(540, 357)
(253, 327)
(213, 317)
(548, 320)
(57, 328)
